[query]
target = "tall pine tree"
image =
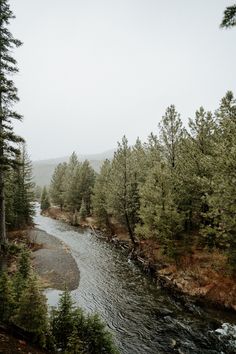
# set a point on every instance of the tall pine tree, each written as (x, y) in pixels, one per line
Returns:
(8, 96)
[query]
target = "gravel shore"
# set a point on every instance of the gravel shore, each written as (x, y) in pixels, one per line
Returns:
(53, 262)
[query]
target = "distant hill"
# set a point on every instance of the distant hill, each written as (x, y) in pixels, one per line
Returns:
(43, 169)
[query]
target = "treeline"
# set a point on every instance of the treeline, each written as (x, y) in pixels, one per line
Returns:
(67, 329)
(19, 192)
(72, 186)
(178, 188)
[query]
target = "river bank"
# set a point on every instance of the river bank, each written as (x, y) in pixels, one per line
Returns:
(202, 275)
(53, 262)
(51, 258)
(143, 317)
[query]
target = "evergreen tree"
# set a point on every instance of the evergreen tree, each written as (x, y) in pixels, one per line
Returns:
(58, 185)
(21, 192)
(170, 134)
(96, 337)
(75, 344)
(70, 182)
(22, 274)
(229, 19)
(31, 314)
(83, 211)
(24, 266)
(158, 212)
(8, 96)
(223, 199)
(100, 195)
(82, 186)
(45, 203)
(85, 185)
(62, 320)
(193, 180)
(7, 304)
(123, 188)
(153, 151)
(74, 332)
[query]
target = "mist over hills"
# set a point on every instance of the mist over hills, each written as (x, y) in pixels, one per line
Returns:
(43, 169)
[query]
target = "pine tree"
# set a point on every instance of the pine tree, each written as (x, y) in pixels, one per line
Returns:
(75, 344)
(8, 96)
(7, 304)
(100, 195)
(22, 274)
(158, 212)
(58, 185)
(83, 211)
(70, 182)
(123, 188)
(21, 192)
(223, 200)
(62, 320)
(85, 184)
(170, 134)
(97, 339)
(229, 19)
(195, 170)
(24, 266)
(45, 203)
(31, 314)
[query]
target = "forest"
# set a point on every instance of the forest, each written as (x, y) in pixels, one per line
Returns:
(174, 192)
(177, 188)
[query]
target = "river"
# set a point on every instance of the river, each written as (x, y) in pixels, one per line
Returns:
(143, 317)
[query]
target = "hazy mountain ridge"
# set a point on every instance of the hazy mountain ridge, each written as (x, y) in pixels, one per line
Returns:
(43, 169)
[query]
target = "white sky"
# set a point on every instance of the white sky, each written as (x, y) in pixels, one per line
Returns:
(93, 70)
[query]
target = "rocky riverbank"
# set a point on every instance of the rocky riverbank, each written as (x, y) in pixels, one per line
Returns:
(202, 276)
(53, 261)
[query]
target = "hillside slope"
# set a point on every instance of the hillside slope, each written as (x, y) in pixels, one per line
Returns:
(43, 169)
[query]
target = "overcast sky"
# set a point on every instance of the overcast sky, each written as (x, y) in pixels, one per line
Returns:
(94, 70)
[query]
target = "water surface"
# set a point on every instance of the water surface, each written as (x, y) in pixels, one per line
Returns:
(143, 317)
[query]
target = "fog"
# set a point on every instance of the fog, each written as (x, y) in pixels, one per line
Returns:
(94, 70)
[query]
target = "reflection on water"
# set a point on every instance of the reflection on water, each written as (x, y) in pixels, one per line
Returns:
(143, 318)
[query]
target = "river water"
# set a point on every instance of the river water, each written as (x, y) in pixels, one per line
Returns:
(143, 317)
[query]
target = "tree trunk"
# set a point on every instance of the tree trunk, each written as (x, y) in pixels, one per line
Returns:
(129, 229)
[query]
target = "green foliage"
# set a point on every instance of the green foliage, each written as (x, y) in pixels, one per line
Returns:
(100, 196)
(58, 185)
(178, 188)
(158, 212)
(75, 332)
(8, 97)
(31, 314)
(73, 183)
(22, 274)
(83, 211)
(95, 336)
(45, 202)
(123, 197)
(229, 19)
(19, 190)
(75, 345)
(8, 91)
(24, 266)
(62, 320)
(7, 304)
(170, 135)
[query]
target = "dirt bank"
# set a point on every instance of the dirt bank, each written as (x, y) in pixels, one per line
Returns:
(202, 275)
(53, 261)
(13, 344)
